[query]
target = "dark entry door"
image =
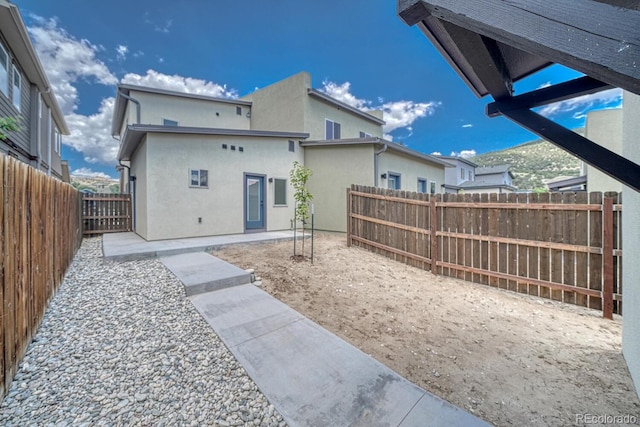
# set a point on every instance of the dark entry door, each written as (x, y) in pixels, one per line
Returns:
(254, 202)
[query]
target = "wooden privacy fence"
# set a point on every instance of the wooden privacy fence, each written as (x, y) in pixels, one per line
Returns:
(41, 231)
(106, 213)
(562, 246)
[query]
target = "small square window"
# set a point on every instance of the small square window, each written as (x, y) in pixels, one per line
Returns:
(241, 149)
(280, 192)
(365, 135)
(224, 146)
(233, 148)
(199, 178)
(239, 111)
(393, 181)
(167, 122)
(332, 129)
(422, 185)
(292, 146)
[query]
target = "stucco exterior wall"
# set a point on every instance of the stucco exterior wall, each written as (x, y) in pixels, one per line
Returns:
(173, 207)
(139, 170)
(452, 175)
(188, 111)
(410, 169)
(280, 106)
(631, 224)
(334, 170)
(351, 125)
(605, 128)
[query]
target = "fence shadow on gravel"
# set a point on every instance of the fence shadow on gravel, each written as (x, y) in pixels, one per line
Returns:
(41, 230)
(561, 246)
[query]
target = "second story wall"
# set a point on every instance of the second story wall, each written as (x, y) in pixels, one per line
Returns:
(157, 108)
(317, 112)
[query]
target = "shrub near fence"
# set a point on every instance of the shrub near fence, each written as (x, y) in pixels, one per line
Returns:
(41, 231)
(562, 246)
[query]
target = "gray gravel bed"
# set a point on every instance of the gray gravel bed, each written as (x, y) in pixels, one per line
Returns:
(120, 344)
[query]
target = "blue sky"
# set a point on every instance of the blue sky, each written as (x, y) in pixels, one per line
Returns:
(358, 51)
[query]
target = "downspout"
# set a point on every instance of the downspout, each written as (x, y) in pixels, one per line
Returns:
(130, 190)
(375, 163)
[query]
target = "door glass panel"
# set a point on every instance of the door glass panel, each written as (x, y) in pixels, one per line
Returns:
(253, 199)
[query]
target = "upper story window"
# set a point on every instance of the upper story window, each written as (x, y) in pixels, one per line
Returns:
(332, 129)
(17, 89)
(239, 111)
(199, 178)
(58, 141)
(470, 176)
(365, 135)
(167, 122)
(4, 71)
(292, 146)
(462, 173)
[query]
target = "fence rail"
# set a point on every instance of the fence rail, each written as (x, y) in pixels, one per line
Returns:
(562, 246)
(41, 232)
(106, 213)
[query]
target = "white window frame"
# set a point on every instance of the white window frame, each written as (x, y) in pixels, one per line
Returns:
(58, 140)
(394, 177)
(16, 96)
(432, 187)
(365, 134)
(425, 181)
(198, 174)
(4, 69)
(286, 195)
(334, 126)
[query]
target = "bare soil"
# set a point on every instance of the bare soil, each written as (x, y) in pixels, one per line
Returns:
(511, 359)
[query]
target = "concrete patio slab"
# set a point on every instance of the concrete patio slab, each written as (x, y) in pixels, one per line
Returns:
(310, 375)
(130, 246)
(201, 272)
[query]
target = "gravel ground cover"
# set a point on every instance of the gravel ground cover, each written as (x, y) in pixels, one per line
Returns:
(120, 344)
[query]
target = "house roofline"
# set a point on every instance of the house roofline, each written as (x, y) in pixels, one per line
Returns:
(377, 141)
(134, 133)
(462, 159)
(15, 32)
(121, 101)
(324, 97)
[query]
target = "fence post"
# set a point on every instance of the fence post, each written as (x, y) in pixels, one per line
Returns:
(348, 217)
(607, 258)
(433, 227)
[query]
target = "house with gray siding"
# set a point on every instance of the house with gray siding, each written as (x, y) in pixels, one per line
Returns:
(201, 166)
(25, 94)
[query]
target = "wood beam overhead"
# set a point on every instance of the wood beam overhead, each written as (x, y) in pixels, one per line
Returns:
(595, 38)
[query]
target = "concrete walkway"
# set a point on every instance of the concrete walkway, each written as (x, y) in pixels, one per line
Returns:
(310, 375)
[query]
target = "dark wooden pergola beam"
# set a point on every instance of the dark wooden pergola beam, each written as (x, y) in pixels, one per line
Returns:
(597, 39)
(595, 155)
(548, 95)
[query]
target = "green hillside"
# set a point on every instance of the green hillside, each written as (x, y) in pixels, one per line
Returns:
(532, 162)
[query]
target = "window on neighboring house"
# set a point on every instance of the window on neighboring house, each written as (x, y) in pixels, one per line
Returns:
(199, 178)
(393, 181)
(239, 111)
(470, 176)
(422, 185)
(433, 187)
(4, 71)
(17, 89)
(167, 122)
(332, 129)
(57, 142)
(279, 192)
(462, 173)
(292, 146)
(365, 135)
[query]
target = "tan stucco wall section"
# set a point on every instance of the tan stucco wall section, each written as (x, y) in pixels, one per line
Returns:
(630, 242)
(604, 127)
(280, 106)
(174, 207)
(334, 170)
(139, 170)
(188, 111)
(410, 169)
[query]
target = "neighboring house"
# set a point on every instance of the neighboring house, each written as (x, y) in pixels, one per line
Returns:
(467, 177)
(567, 184)
(605, 128)
(204, 166)
(25, 93)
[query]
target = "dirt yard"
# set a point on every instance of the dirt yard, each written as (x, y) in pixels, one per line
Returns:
(509, 358)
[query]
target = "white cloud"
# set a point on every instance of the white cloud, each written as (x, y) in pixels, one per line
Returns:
(88, 173)
(67, 60)
(91, 135)
(467, 125)
(180, 84)
(121, 52)
(436, 153)
(465, 154)
(543, 85)
(611, 98)
(397, 115)
(165, 27)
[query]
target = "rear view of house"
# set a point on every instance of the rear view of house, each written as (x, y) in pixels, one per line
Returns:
(201, 166)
